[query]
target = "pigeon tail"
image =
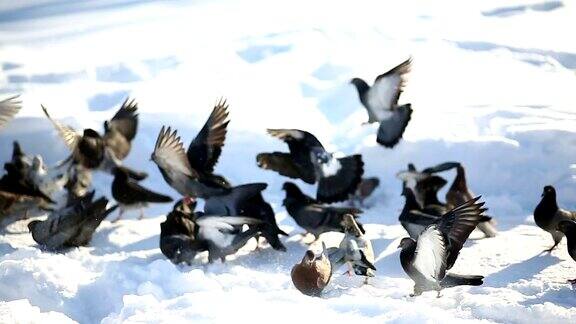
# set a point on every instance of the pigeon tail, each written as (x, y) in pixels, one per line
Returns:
(453, 280)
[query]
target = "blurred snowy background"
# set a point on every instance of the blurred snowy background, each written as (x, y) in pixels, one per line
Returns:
(492, 86)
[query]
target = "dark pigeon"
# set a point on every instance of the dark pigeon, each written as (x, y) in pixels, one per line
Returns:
(130, 195)
(71, 226)
(191, 173)
(568, 227)
(337, 178)
(381, 103)
(312, 274)
(247, 200)
(427, 259)
(548, 215)
(9, 107)
(178, 240)
(103, 152)
(459, 193)
(316, 218)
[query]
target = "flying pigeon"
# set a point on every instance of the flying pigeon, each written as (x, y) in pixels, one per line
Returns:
(316, 218)
(381, 103)
(103, 152)
(568, 227)
(130, 195)
(427, 259)
(355, 250)
(337, 178)
(190, 172)
(9, 107)
(548, 215)
(71, 226)
(178, 240)
(313, 273)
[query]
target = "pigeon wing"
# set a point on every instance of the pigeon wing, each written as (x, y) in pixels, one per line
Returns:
(205, 149)
(8, 109)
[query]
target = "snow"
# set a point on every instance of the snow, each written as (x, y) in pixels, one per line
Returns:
(492, 87)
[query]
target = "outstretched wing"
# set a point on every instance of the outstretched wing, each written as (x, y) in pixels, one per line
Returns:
(169, 153)
(67, 133)
(383, 95)
(299, 142)
(125, 121)
(205, 149)
(457, 225)
(8, 109)
(441, 167)
(284, 164)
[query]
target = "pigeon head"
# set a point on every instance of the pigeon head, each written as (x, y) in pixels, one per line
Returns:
(406, 243)
(17, 151)
(411, 167)
(549, 191)
(186, 205)
(89, 132)
(360, 85)
(566, 225)
(320, 155)
(33, 225)
(120, 173)
(308, 257)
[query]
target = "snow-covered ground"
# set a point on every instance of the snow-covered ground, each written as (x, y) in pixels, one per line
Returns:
(492, 86)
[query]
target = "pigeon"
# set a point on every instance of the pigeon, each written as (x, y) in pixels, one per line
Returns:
(247, 200)
(313, 273)
(17, 179)
(426, 183)
(130, 195)
(191, 173)
(568, 227)
(355, 250)
(178, 240)
(548, 215)
(337, 178)
(72, 226)
(103, 152)
(316, 218)
(364, 190)
(381, 103)
(427, 259)
(222, 235)
(413, 217)
(8, 109)
(459, 193)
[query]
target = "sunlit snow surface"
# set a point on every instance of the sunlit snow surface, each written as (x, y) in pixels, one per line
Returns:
(493, 86)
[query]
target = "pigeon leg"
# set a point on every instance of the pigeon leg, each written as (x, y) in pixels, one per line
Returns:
(366, 281)
(438, 294)
(120, 213)
(223, 259)
(141, 213)
(550, 249)
(350, 269)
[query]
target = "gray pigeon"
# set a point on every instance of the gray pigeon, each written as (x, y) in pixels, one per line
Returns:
(309, 161)
(191, 173)
(222, 235)
(71, 226)
(355, 250)
(381, 103)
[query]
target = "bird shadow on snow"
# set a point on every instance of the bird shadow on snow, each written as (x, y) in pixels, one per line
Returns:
(522, 270)
(106, 246)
